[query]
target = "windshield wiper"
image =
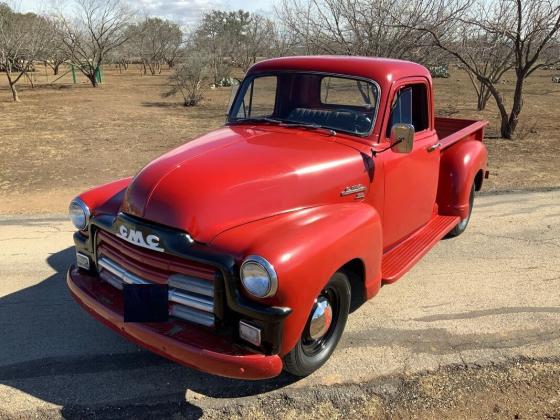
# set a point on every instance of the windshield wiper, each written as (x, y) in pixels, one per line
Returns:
(312, 126)
(255, 120)
(283, 123)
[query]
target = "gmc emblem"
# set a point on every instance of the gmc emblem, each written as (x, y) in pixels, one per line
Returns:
(136, 237)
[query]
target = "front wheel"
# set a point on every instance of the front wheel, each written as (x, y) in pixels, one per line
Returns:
(323, 329)
(462, 225)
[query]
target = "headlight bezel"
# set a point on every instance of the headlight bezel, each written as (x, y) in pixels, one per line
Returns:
(79, 203)
(268, 269)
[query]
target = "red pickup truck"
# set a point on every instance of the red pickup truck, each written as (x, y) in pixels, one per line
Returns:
(241, 253)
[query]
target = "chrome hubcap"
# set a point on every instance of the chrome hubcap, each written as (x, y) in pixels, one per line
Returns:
(321, 318)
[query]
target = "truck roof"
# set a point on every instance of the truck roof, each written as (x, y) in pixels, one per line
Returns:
(382, 70)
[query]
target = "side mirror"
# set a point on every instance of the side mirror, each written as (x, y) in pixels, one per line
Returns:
(402, 138)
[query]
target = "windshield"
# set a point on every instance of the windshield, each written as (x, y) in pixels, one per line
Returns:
(307, 99)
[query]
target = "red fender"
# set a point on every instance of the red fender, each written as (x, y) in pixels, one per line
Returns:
(459, 165)
(306, 247)
(107, 198)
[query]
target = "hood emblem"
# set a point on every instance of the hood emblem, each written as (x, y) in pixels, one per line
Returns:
(357, 189)
(136, 237)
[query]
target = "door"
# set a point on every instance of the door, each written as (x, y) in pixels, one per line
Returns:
(410, 178)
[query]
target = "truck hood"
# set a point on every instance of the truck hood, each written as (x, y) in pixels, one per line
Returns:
(239, 174)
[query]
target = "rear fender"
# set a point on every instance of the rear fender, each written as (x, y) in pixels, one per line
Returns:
(458, 168)
(306, 247)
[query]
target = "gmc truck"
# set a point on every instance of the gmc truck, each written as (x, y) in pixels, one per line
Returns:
(242, 253)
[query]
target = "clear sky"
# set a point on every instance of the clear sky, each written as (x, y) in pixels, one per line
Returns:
(182, 11)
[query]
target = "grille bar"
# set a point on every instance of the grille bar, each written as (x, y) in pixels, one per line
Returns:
(195, 302)
(191, 284)
(192, 315)
(119, 272)
(192, 299)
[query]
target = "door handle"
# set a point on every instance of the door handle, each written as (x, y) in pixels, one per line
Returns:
(433, 147)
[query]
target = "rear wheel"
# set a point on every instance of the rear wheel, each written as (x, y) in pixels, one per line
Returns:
(462, 225)
(323, 329)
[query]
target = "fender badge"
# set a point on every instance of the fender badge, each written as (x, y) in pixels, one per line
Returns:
(354, 189)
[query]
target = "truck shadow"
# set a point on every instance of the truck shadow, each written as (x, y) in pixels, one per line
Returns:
(51, 349)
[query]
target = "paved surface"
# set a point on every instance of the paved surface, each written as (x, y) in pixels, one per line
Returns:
(491, 294)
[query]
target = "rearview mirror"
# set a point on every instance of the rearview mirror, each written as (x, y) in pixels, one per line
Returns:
(402, 138)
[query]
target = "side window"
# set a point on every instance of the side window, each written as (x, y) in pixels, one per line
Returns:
(410, 106)
(344, 91)
(259, 99)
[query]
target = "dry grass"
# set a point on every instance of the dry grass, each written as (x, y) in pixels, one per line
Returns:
(64, 138)
(531, 160)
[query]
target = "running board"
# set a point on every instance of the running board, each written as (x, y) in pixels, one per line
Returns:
(398, 260)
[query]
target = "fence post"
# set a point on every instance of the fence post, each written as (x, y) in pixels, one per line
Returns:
(98, 75)
(73, 70)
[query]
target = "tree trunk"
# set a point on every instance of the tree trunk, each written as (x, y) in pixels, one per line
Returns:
(55, 69)
(482, 91)
(483, 94)
(509, 125)
(92, 79)
(14, 93)
(501, 107)
(29, 78)
(12, 85)
(148, 66)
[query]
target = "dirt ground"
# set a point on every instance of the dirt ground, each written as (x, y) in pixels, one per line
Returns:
(63, 138)
(514, 389)
(518, 389)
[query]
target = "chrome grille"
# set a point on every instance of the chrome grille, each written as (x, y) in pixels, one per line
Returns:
(190, 298)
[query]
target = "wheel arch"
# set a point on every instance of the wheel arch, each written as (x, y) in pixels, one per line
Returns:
(356, 271)
(478, 180)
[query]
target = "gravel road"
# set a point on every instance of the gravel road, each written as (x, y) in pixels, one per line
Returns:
(490, 298)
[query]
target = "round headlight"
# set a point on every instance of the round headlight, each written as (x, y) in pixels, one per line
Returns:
(79, 213)
(258, 277)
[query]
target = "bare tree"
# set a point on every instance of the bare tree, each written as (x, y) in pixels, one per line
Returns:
(257, 40)
(156, 41)
(175, 44)
(283, 41)
(526, 30)
(56, 54)
(490, 56)
(99, 26)
(126, 53)
(220, 35)
(188, 78)
(23, 39)
(352, 27)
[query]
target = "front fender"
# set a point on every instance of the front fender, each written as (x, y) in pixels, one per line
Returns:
(106, 198)
(458, 168)
(306, 247)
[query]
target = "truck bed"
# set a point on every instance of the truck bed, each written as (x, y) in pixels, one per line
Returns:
(452, 130)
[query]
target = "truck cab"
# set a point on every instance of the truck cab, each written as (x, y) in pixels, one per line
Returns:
(242, 252)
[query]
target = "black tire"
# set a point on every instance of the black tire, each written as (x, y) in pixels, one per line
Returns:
(308, 355)
(462, 225)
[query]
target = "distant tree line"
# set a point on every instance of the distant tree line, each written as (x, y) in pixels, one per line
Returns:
(485, 38)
